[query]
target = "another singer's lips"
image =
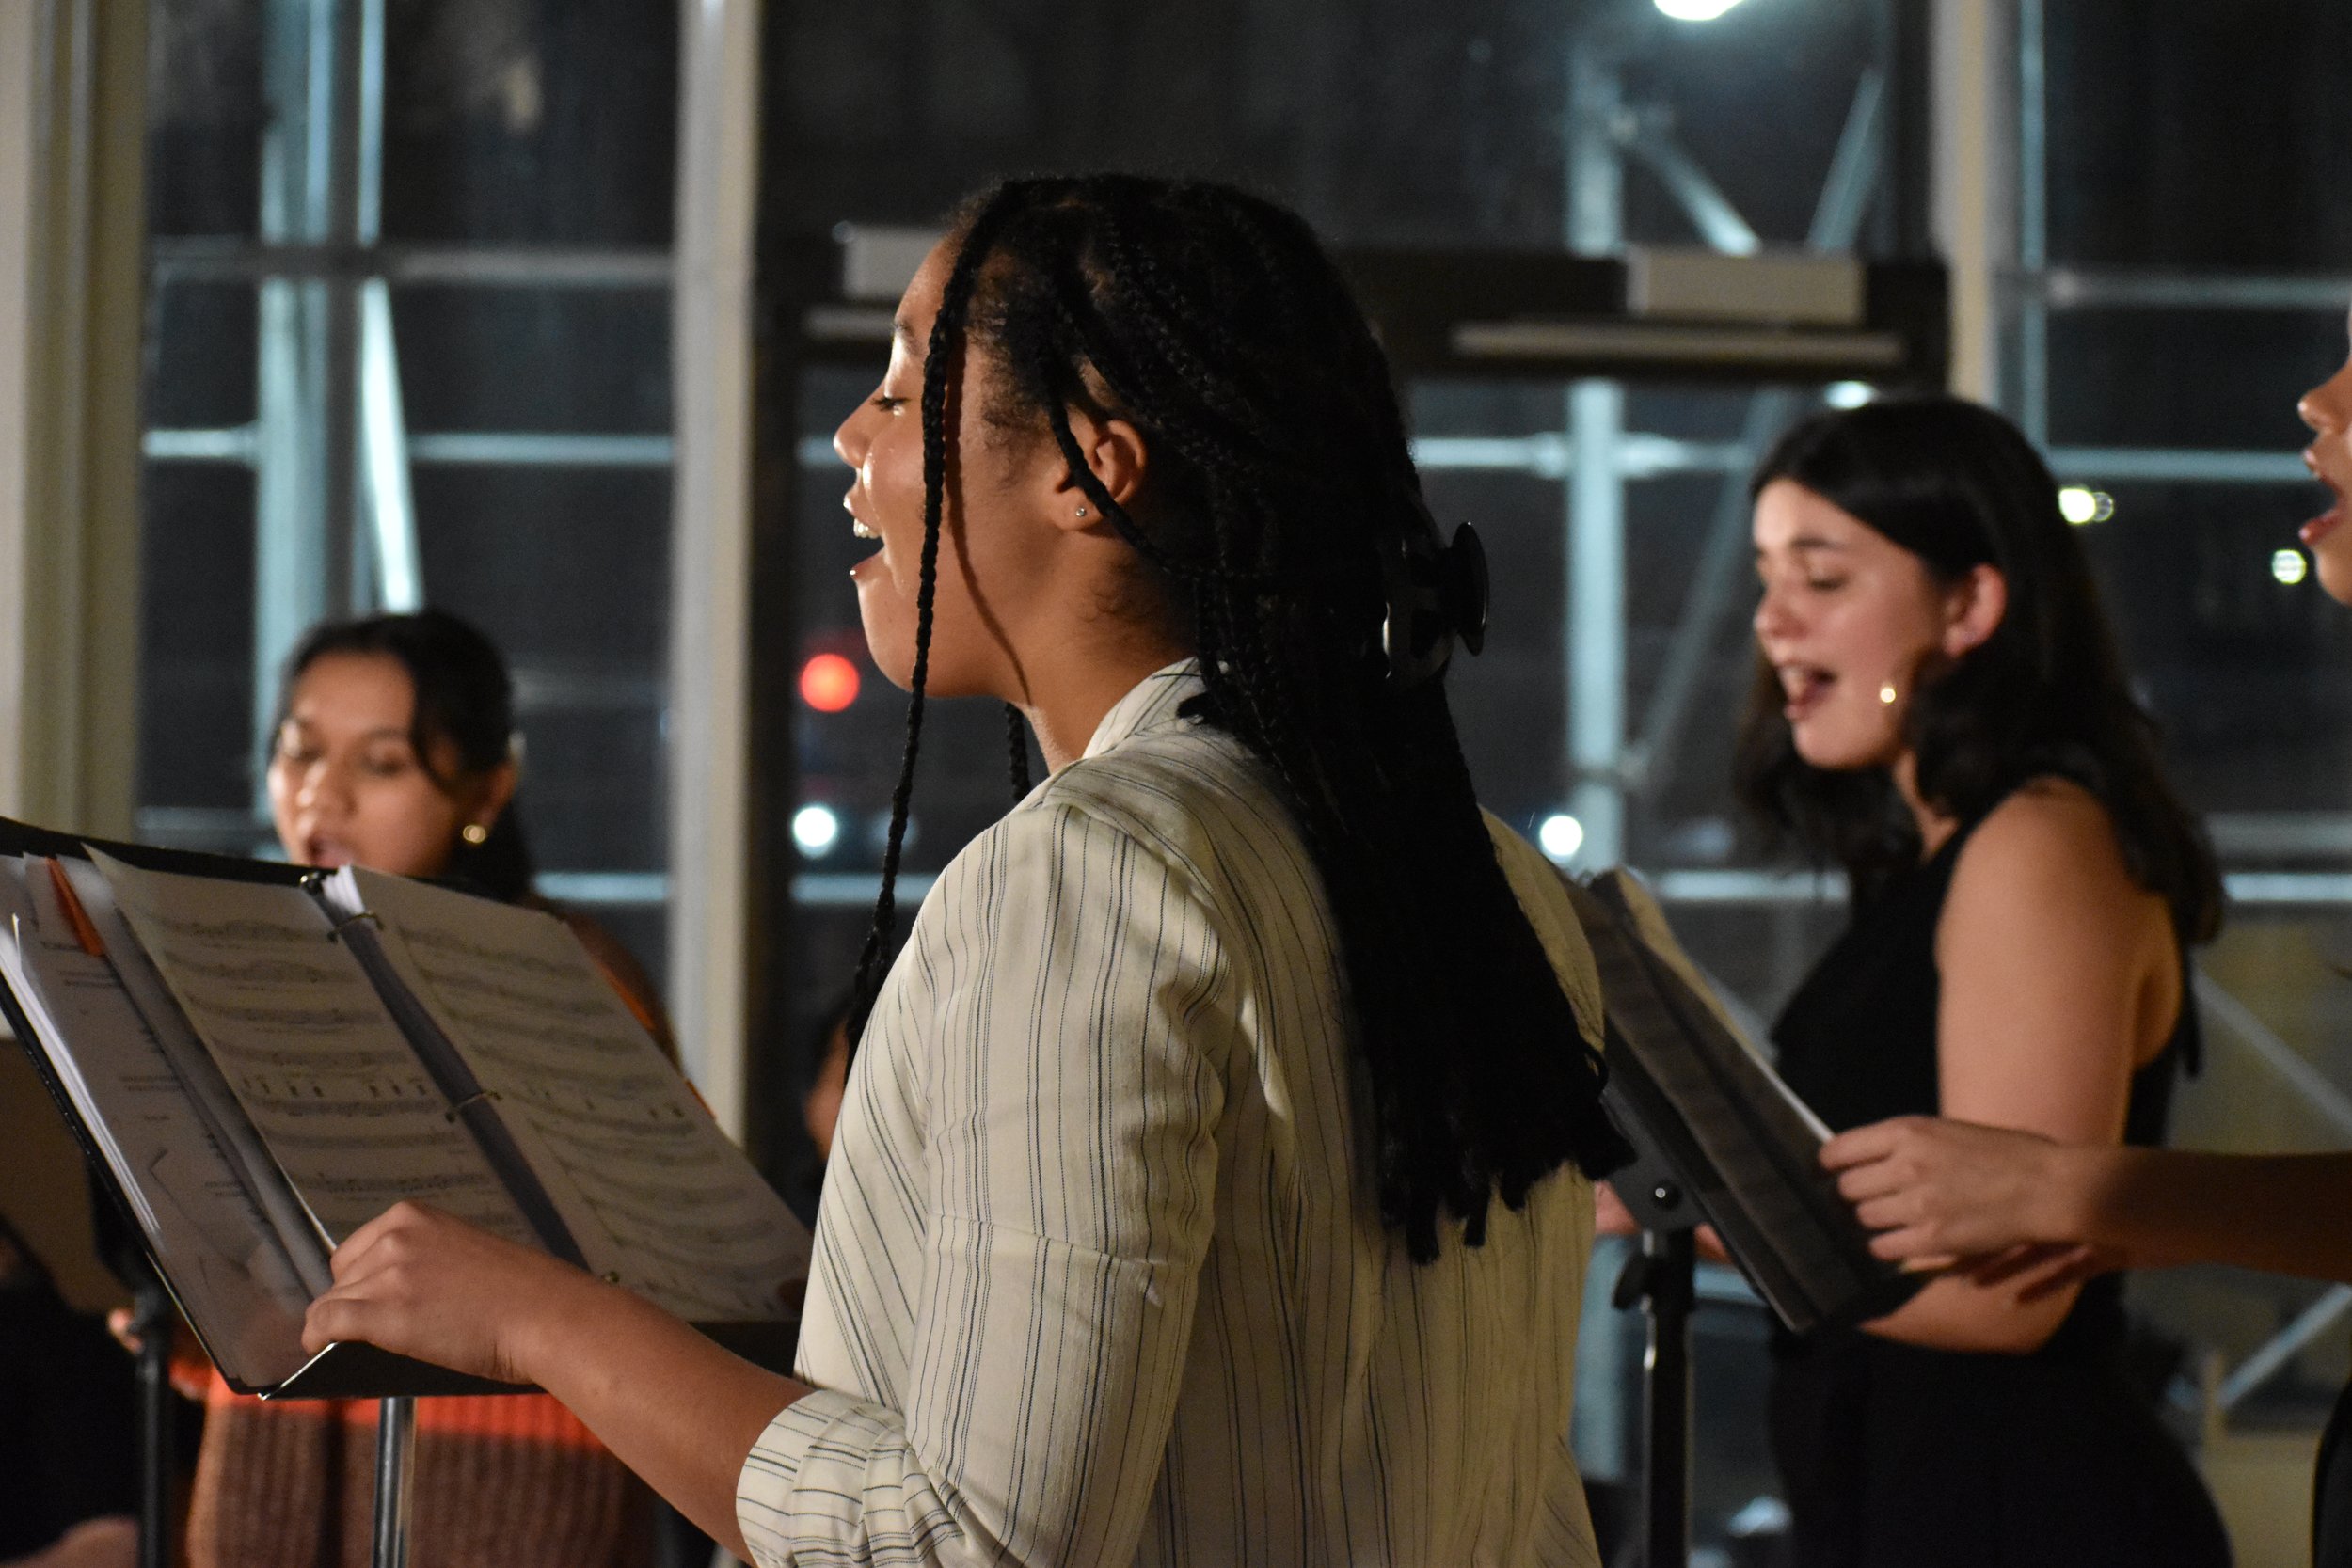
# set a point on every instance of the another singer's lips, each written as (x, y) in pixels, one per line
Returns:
(2327, 521)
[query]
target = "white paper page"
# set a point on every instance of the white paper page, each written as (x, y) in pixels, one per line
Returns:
(223, 1117)
(226, 1264)
(651, 1189)
(309, 1050)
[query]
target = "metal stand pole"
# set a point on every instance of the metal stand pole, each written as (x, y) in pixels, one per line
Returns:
(395, 1445)
(1664, 1277)
(153, 1321)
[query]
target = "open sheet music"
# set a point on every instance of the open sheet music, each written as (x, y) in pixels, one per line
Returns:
(264, 1067)
(1700, 1102)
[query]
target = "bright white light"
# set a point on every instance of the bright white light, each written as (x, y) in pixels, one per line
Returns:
(2079, 506)
(1561, 836)
(2289, 566)
(815, 828)
(1696, 11)
(1848, 394)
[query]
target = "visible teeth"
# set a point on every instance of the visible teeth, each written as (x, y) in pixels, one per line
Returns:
(862, 531)
(1799, 682)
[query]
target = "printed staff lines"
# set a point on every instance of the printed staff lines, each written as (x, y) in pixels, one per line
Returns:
(239, 930)
(529, 1001)
(445, 943)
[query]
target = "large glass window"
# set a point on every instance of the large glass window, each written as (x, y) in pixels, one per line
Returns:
(408, 343)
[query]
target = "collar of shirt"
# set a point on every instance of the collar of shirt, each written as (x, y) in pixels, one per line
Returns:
(1151, 704)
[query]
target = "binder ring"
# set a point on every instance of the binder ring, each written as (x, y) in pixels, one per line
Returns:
(336, 933)
(475, 1097)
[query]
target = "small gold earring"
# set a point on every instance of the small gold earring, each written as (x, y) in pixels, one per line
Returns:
(474, 832)
(1888, 695)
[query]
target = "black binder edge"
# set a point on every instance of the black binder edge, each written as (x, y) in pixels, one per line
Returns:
(349, 1370)
(1663, 1147)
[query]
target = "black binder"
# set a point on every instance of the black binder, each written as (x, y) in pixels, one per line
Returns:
(1713, 1127)
(349, 1370)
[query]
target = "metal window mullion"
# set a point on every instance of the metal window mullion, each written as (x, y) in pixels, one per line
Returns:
(2033, 216)
(486, 266)
(1594, 644)
(390, 507)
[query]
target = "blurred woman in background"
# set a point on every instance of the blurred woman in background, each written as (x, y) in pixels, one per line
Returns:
(1941, 710)
(394, 750)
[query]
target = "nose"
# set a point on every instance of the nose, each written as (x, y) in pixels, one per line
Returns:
(1774, 618)
(321, 784)
(2327, 407)
(850, 441)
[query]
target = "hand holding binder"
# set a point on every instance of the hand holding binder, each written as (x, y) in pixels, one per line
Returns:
(437, 1289)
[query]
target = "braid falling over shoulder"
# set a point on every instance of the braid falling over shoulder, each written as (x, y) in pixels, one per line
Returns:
(942, 369)
(1215, 323)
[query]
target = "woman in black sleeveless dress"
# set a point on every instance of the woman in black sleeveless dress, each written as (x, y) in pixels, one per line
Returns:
(1937, 1189)
(1942, 711)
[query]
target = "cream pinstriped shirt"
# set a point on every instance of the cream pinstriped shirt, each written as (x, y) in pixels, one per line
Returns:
(1099, 1279)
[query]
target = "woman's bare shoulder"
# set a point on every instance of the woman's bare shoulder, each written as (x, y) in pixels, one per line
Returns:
(2048, 830)
(2046, 859)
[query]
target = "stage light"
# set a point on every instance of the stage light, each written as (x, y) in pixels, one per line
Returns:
(1561, 836)
(1696, 11)
(2080, 506)
(1848, 394)
(2289, 566)
(815, 828)
(829, 682)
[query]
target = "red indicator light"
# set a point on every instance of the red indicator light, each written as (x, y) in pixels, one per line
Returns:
(829, 682)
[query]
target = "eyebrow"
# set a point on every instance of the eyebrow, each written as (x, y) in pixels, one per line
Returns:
(1807, 542)
(386, 731)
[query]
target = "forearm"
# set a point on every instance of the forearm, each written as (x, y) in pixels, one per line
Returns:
(1956, 1313)
(2281, 1214)
(673, 1407)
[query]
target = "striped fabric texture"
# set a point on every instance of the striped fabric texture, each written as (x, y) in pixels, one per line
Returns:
(1099, 1278)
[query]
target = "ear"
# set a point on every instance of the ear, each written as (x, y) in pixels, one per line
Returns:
(1973, 608)
(495, 793)
(1116, 457)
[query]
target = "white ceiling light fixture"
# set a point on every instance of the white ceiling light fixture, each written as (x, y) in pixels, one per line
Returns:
(1696, 11)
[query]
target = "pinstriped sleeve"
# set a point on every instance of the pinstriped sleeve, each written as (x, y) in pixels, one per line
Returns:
(1077, 1073)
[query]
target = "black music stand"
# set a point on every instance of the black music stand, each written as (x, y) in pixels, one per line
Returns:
(395, 1445)
(1663, 1279)
(154, 1320)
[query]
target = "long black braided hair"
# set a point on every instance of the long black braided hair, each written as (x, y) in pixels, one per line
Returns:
(1281, 488)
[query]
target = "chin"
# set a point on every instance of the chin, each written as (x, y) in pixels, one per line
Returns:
(1834, 753)
(2332, 564)
(891, 648)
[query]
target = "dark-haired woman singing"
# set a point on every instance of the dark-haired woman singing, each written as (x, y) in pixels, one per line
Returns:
(394, 751)
(1941, 710)
(1210, 1186)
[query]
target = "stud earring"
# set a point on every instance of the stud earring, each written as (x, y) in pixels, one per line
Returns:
(1081, 512)
(1887, 693)
(474, 832)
